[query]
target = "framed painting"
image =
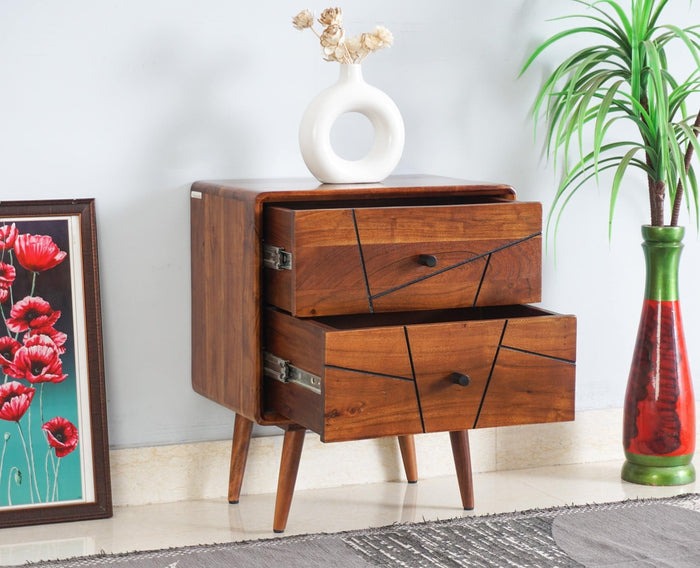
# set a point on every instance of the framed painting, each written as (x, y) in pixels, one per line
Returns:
(54, 454)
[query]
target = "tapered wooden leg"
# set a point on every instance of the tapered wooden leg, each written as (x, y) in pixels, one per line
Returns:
(408, 455)
(242, 431)
(289, 467)
(463, 465)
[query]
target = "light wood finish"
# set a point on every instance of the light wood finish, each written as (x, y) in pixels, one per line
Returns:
(407, 445)
(242, 432)
(463, 467)
(289, 468)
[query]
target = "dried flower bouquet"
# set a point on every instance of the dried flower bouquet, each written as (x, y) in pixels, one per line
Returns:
(336, 47)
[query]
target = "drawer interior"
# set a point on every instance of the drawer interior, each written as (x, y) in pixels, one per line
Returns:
(360, 321)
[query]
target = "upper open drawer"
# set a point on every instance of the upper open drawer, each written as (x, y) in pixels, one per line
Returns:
(381, 259)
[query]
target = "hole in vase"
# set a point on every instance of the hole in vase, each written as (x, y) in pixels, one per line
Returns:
(352, 136)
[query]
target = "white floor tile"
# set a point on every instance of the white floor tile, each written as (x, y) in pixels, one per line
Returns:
(322, 510)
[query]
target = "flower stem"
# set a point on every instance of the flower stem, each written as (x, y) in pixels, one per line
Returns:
(34, 275)
(9, 484)
(2, 458)
(54, 496)
(29, 465)
(46, 468)
(32, 471)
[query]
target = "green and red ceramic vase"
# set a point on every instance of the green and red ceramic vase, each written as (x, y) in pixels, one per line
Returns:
(659, 415)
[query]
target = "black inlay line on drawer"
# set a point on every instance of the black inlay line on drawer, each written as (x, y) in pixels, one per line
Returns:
(536, 354)
(481, 282)
(415, 382)
(443, 270)
(488, 381)
(364, 372)
(362, 260)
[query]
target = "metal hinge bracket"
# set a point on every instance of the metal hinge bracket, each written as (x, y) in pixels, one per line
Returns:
(281, 370)
(276, 258)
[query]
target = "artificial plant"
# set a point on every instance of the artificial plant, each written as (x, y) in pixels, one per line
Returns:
(623, 75)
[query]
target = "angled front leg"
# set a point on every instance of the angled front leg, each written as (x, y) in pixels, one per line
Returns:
(408, 455)
(463, 466)
(289, 467)
(242, 431)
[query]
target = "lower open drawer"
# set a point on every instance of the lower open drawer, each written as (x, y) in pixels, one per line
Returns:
(366, 376)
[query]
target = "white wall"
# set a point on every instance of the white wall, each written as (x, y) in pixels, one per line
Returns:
(129, 101)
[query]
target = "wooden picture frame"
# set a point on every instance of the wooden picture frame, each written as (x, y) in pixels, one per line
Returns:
(54, 453)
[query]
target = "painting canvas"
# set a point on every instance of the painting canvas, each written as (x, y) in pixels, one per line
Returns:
(54, 463)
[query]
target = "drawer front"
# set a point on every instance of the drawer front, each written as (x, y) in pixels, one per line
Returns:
(517, 366)
(383, 259)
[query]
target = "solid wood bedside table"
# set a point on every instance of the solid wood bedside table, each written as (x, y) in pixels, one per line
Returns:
(370, 310)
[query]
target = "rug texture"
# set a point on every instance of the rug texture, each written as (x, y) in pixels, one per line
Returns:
(654, 533)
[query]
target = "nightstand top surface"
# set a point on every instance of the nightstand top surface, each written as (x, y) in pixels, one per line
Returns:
(304, 188)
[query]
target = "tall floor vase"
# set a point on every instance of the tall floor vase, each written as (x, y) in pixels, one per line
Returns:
(659, 415)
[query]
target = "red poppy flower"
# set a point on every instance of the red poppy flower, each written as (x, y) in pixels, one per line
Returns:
(37, 364)
(4, 295)
(8, 234)
(7, 275)
(15, 399)
(46, 336)
(38, 252)
(8, 348)
(62, 435)
(31, 313)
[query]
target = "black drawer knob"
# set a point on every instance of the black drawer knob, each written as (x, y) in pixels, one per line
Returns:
(460, 379)
(427, 260)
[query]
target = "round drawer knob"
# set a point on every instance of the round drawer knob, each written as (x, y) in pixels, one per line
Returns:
(460, 379)
(428, 260)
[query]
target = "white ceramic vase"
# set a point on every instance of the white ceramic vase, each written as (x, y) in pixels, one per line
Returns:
(351, 94)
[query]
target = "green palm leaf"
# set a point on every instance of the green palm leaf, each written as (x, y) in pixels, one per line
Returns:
(622, 77)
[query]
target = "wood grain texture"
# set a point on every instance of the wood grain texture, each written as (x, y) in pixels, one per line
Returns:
(226, 300)
(381, 350)
(367, 258)
(513, 272)
(226, 236)
(438, 351)
(360, 405)
(327, 275)
(381, 380)
(242, 432)
(549, 335)
(289, 468)
(463, 467)
(527, 388)
(407, 445)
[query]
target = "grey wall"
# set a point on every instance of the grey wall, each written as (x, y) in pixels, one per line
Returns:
(129, 101)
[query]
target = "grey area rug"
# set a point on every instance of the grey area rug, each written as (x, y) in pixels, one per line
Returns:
(658, 533)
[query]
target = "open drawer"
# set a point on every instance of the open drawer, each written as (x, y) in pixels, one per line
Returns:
(325, 260)
(365, 376)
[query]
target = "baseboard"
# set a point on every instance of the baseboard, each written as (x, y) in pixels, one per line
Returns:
(200, 471)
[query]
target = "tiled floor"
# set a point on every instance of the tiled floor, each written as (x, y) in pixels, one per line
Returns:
(327, 510)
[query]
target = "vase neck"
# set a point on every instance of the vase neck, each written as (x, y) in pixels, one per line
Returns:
(662, 250)
(351, 72)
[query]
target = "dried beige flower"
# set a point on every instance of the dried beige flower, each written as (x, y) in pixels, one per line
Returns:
(386, 37)
(335, 46)
(332, 36)
(371, 42)
(303, 20)
(331, 17)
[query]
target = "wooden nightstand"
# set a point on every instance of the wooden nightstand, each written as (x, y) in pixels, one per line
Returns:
(370, 310)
